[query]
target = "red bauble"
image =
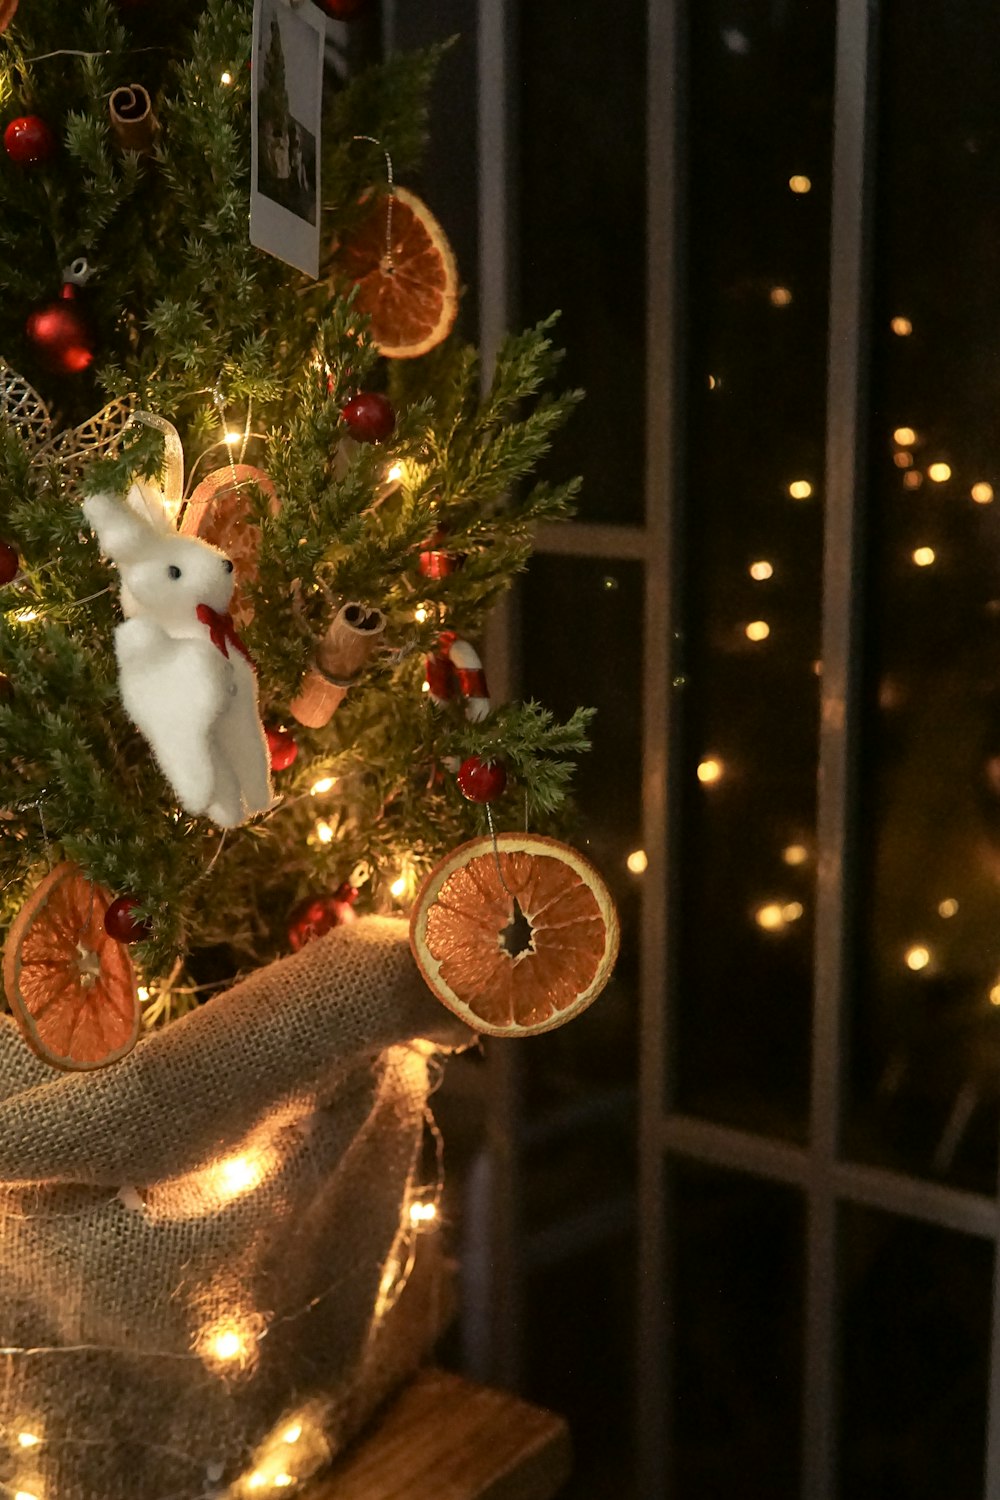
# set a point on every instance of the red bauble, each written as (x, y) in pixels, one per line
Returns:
(369, 416)
(28, 141)
(121, 923)
(317, 915)
(6, 688)
(282, 748)
(481, 780)
(433, 561)
(342, 10)
(61, 336)
(9, 562)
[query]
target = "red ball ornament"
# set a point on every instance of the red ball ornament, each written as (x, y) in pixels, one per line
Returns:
(433, 561)
(28, 141)
(6, 688)
(481, 780)
(369, 416)
(121, 923)
(342, 10)
(10, 563)
(61, 335)
(317, 915)
(282, 748)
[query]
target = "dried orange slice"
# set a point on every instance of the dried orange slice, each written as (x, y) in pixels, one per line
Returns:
(516, 939)
(70, 986)
(219, 512)
(404, 269)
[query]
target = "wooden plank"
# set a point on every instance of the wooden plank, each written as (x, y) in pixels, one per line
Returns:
(446, 1439)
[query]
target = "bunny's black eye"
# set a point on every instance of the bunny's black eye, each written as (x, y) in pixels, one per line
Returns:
(173, 571)
(228, 565)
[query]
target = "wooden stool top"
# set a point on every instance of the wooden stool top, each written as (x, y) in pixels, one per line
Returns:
(446, 1439)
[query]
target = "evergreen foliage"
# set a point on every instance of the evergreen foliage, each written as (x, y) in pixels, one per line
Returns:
(198, 326)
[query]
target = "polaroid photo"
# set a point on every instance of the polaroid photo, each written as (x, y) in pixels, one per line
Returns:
(289, 40)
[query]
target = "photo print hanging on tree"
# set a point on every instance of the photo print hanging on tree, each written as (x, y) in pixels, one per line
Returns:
(289, 38)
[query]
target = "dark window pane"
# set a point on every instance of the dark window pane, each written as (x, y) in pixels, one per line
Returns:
(915, 1339)
(736, 1336)
(926, 1037)
(581, 181)
(760, 122)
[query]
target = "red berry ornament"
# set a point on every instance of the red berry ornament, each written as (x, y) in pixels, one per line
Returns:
(317, 915)
(481, 780)
(61, 336)
(369, 417)
(28, 141)
(342, 10)
(121, 923)
(7, 11)
(434, 561)
(282, 748)
(9, 562)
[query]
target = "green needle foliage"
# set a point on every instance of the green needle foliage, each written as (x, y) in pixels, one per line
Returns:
(195, 325)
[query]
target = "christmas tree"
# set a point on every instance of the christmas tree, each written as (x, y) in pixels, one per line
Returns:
(176, 315)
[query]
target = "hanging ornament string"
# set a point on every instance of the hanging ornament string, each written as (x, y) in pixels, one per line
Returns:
(496, 847)
(390, 194)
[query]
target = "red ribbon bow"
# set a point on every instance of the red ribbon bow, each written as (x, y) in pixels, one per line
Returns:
(223, 632)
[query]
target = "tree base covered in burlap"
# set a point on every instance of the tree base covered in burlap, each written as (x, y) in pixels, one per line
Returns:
(207, 1274)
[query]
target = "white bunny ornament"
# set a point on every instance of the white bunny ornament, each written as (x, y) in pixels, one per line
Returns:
(185, 677)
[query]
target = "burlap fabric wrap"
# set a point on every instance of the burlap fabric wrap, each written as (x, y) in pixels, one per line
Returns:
(126, 1253)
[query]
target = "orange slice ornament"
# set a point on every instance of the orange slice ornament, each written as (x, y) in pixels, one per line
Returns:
(219, 512)
(515, 939)
(70, 986)
(405, 273)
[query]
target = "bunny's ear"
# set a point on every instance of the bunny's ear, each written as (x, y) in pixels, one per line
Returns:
(122, 533)
(146, 500)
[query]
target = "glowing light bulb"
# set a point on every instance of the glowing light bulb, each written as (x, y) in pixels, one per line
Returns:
(947, 908)
(757, 630)
(238, 1175)
(924, 556)
(995, 994)
(903, 460)
(901, 326)
(395, 472)
(233, 439)
(982, 493)
(425, 686)
(917, 958)
(761, 570)
(420, 614)
(25, 616)
(913, 479)
(939, 473)
(770, 917)
(423, 1213)
(800, 489)
(398, 887)
(904, 436)
(637, 861)
(257, 1480)
(226, 79)
(324, 784)
(142, 993)
(292, 1434)
(282, 1481)
(713, 382)
(799, 184)
(795, 854)
(24, 1495)
(780, 296)
(28, 1440)
(792, 911)
(709, 770)
(227, 1345)
(323, 831)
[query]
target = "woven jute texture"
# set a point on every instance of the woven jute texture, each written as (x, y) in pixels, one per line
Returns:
(206, 1249)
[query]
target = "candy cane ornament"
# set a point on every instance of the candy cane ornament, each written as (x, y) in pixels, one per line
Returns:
(455, 668)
